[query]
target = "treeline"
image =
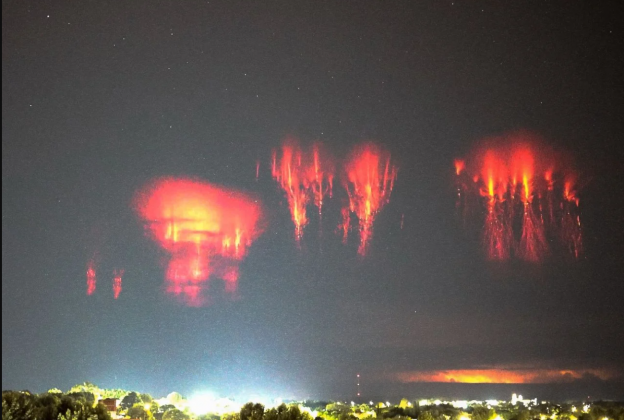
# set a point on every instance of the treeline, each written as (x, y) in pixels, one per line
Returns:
(23, 405)
(81, 403)
(600, 410)
(251, 411)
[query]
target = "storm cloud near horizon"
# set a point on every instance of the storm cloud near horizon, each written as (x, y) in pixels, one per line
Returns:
(99, 102)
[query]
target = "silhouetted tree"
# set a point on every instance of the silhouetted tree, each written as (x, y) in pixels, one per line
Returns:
(139, 412)
(17, 406)
(251, 411)
(130, 400)
(166, 407)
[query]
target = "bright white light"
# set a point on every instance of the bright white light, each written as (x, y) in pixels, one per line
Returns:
(460, 404)
(202, 403)
(303, 409)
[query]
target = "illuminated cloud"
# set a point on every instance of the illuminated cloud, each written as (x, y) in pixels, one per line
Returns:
(503, 376)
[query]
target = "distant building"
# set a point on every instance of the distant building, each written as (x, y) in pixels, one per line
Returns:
(110, 404)
(515, 399)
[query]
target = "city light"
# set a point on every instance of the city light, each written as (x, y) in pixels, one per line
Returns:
(202, 403)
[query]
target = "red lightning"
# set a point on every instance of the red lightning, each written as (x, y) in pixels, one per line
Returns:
(571, 232)
(368, 178)
(497, 236)
(303, 176)
(117, 275)
(520, 180)
(91, 278)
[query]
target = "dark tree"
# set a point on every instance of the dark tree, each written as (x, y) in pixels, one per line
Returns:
(130, 400)
(138, 412)
(251, 411)
(17, 405)
(166, 407)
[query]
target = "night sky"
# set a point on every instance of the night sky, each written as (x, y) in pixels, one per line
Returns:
(99, 97)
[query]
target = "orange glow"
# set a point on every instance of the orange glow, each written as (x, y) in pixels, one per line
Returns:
(533, 245)
(320, 176)
(460, 165)
(548, 176)
(523, 168)
(303, 176)
(569, 189)
(206, 229)
(91, 278)
(345, 225)
(495, 172)
(369, 179)
(117, 275)
(502, 376)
